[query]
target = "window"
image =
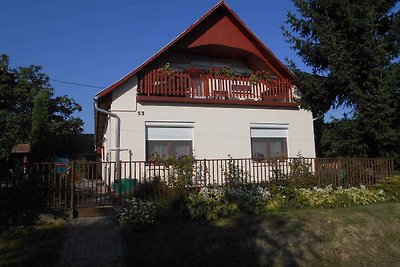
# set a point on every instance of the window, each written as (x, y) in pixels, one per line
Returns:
(268, 141)
(161, 150)
(265, 148)
(164, 140)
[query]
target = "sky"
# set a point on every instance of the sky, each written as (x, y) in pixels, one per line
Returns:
(97, 42)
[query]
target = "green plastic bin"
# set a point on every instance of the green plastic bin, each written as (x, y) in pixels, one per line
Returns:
(127, 186)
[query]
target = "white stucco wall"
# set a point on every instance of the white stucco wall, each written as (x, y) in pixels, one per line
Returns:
(219, 131)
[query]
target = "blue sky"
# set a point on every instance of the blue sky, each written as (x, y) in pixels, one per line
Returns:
(96, 42)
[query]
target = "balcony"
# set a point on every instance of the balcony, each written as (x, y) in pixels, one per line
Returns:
(182, 87)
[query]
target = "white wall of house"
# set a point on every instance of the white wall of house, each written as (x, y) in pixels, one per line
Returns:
(218, 131)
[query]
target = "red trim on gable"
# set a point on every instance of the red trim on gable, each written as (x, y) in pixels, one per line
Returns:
(255, 45)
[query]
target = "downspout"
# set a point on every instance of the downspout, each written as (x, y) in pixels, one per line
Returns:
(117, 140)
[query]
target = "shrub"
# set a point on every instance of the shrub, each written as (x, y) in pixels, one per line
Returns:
(180, 174)
(154, 190)
(391, 186)
(22, 202)
(235, 176)
(137, 214)
(211, 204)
(250, 200)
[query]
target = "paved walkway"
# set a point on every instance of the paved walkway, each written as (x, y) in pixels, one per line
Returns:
(93, 241)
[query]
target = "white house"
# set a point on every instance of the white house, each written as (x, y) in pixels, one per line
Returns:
(215, 91)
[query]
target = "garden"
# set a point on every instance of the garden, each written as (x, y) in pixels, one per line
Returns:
(260, 224)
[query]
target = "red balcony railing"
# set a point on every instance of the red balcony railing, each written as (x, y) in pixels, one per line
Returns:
(207, 86)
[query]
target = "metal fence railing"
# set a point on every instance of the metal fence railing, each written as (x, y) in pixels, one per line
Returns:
(82, 183)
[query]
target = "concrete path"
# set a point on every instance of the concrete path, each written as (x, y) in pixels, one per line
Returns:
(93, 241)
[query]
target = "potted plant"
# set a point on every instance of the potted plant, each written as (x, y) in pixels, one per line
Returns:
(263, 75)
(224, 73)
(195, 72)
(167, 70)
(258, 157)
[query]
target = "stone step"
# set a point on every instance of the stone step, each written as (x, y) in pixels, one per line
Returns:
(94, 211)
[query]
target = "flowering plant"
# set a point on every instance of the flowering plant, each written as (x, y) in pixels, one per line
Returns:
(195, 72)
(258, 156)
(167, 70)
(224, 73)
(261, 75)
(137, 213)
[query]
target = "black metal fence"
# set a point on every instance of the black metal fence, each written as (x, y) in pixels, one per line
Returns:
(82, 183)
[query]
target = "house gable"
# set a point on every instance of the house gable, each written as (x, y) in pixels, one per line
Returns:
(219, 32)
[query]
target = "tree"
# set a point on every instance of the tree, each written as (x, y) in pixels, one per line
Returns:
(353, 50)
(29, 111)
(41, 127)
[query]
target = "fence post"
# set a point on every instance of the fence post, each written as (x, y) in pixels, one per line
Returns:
(205, 172)
(119, 178)
(72, 181)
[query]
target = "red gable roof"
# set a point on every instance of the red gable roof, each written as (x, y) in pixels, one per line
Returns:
(227, 31)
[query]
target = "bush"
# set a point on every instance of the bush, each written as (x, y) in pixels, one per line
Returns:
(21, 203)
(211, 204)
(214, 203)
(334, 198)
(251, 200)
(391, 186)
(137, 214)
(235, 176)
(154, 190)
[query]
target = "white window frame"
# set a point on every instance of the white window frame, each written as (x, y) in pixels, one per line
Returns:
(269, 130)
(171, 131)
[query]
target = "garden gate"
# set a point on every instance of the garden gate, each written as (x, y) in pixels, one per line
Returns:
(75, 184)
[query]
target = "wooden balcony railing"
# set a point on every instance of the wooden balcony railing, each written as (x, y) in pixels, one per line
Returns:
(207, 86)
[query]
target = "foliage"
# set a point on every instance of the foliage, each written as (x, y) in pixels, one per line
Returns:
(224, 73)
(22, 201)
(40, 126)
(18, 90)
(195, 72)
(263, 75)
(180, 173)
(234, 175)
(391, 186)
(353, 50)
(215, 203)
(341, 137)
(154, 190)
(167, 70)
(251, 200)
(137, 214)
(210, 204)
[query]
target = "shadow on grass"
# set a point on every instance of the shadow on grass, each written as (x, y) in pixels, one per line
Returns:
(36, 245)
(242, 241)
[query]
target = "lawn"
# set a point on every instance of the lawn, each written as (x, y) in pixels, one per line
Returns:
(36, 245)
(354, 236)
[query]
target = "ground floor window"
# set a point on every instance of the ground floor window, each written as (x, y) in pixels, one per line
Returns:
(163, 149)
(269, 140)
(265, 148)
(165, 140)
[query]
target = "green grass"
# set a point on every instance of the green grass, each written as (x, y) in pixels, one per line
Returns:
(355, 236)
(36, 245)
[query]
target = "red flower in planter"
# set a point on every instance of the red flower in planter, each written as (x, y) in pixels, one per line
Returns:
(167, 70)
(224, 73)
(195, 72)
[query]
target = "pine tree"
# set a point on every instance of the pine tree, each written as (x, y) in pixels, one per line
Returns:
(353, 50)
